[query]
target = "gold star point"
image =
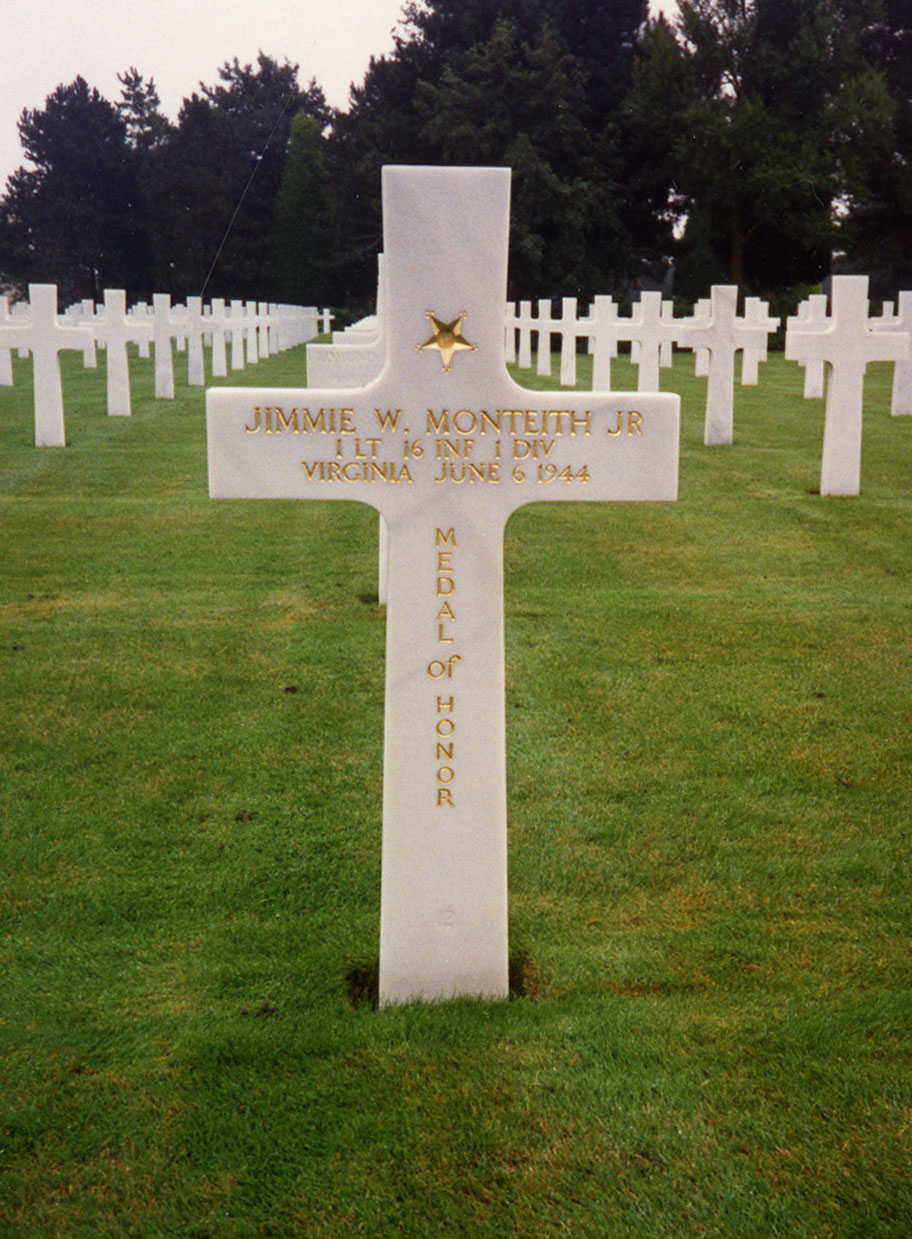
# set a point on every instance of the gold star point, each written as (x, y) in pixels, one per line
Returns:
(446, 338)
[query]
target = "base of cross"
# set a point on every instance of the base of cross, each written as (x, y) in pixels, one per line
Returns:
(446, 446)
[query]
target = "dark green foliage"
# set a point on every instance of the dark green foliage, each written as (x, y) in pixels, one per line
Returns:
(534, 86)
(761, 106)
(219, 175)
(74, 218)
(877, 230)
(304, 245)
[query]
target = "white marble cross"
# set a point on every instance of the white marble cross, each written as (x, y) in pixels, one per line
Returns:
(525, 324)
(812, 313)
(218, 324)
(756, 313)
(251, 337)
(543, 340)
(164, 355)
(6, 352)
(195, 326)
(445, 445)
(568, 328)
(604, 328)
(724, 333)
(901, 320)
(115, 330)
(651, 328)
(237, 327)
(846, 343)
(45, 337)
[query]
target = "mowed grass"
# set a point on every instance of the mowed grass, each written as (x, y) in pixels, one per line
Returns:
(709, 752)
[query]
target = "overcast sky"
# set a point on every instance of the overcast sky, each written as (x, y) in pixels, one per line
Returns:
(180, 43)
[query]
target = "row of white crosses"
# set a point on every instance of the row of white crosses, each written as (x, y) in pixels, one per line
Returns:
(255, 330)
(714, 331)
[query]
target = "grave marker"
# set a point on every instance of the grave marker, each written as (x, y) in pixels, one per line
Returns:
(846, 342)
(45, 337)
(445, 445)
(723, 334)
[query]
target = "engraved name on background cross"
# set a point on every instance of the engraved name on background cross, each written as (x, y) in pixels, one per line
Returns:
(445, 445)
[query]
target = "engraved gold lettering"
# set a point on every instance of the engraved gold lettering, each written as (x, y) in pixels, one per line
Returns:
(445, 751)
(468, 424)
(634, 423)
(255, 428)
(445, 539)
(444, 797)
(289, 422)
(388, 420)
(445, 613)
(620, 424)
(438, 669)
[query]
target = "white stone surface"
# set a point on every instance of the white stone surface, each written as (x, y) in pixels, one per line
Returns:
(445, 445)
(846, 343)
(164, 356)
(6, 352)
(40, 332)
(604, 329)
(723, 334)
(218, 323)
(649, 330)
(901, 320)
(813, 313)
(115, 330)
(756, 313)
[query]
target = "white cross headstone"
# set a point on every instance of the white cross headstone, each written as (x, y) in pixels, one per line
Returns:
(238, 328)
(846, 342)
(446, 446)
(87, 318)
(724, 333)
(525, 323)
(604, 329)
(45, 337)
(901, 396)
(543, 340)
(701, 315)
(6, 352)
(196, 366)
(115, 331)
(218, 322)
(162, 336)
(649, 328)
(756, 313)
(569, 329)
(253, 352)
(142, 313)
(812, 313)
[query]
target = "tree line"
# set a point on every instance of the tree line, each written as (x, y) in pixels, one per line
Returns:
(761, 142)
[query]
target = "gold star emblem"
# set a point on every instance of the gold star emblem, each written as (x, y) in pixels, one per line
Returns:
(447, 338)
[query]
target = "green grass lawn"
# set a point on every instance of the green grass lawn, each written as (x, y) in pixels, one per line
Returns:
(710, 768)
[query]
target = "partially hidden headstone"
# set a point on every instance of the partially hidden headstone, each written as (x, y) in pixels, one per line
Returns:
(445, 445)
